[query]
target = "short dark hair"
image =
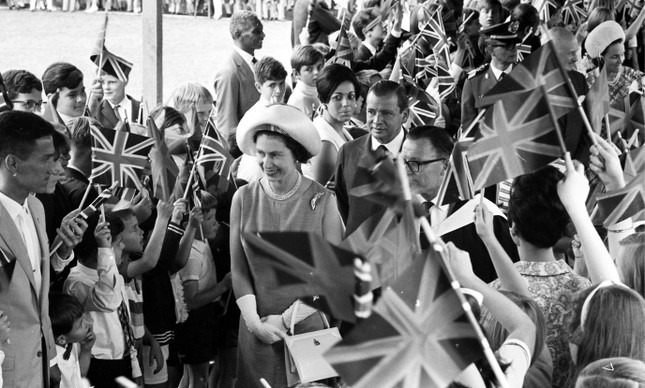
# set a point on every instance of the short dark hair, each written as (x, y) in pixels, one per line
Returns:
(305, 55)
(386, 87)
(19, 132)
(299, 152)
(526, 15)
(64, 310)
(362, 19)
(535, 208)
(240, 21)
(330, 77)
(61, 75)
(61, 142)
(438, 137)
(208, 200)
(20, 81)
(81, 132)
(269, 69)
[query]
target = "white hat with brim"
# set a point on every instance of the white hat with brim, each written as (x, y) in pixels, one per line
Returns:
(602, 36)
(284, 119)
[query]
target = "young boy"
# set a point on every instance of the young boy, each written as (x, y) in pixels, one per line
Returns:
(74, 338)
(369, 28)
(96, 283)
(270, 78)
(196, 338)
(306, 63)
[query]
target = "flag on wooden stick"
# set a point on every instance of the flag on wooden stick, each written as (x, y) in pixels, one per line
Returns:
(106, 61)
(213, 162)
(617, 206)
(418, 334)
(163, 168)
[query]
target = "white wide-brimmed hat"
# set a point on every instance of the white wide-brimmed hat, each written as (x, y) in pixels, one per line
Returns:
(602, 36)
(284, 119)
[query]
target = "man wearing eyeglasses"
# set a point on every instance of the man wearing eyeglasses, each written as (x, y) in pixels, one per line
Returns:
(426, 152)
(24, 89)
(501, 42)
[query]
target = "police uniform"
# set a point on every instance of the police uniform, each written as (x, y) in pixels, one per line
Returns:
(482, 79)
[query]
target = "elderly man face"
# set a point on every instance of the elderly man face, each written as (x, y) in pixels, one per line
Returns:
(567, 50)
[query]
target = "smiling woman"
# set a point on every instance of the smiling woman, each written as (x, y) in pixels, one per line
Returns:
(279, 136)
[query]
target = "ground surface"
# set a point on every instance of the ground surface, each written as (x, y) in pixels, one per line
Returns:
(193, 47)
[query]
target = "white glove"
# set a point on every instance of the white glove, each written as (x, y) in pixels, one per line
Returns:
(265, 332)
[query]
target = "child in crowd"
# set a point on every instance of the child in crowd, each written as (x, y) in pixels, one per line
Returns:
(74, 338)
(97, 285)
(369, 28)
(306, 63)
(270, 77)
(196, 338)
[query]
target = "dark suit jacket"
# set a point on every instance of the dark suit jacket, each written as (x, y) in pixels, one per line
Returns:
(107, 118)
(74, 185)
(27, 309)
(235, 92)
(382, 57)
(354, 210)
(467, 239)
(364, 53)
(474, 88)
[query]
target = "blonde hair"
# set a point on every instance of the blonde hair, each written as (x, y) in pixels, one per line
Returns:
(631, 262)
(187, 95)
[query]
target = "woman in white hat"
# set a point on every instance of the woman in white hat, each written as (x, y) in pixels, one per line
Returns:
(605, 45)
(280, 137)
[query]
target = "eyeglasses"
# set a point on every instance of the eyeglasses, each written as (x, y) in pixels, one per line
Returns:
(414, 165)
(30, 104)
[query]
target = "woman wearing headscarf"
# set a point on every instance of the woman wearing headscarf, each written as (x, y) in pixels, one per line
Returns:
(280, 137)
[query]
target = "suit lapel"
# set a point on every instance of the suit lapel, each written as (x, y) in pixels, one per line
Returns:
(108, 118)
(12, 238)
(39, 221)
(245, 70)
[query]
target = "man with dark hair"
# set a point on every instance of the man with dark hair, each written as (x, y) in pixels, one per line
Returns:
(387, 110)
(24, 89)
(426, 152)
(65, 91)
(235, 90)
(529, 19)
(79, 168)
(28, 159)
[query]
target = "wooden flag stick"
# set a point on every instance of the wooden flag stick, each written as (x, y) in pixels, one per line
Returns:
(554, 121)
(607, 127)
(632, 140)
(190, 180)
(465, 133)
(87, 192)
(570, 88)
(622, 141)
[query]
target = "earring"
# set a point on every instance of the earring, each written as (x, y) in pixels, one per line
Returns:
(15, 174)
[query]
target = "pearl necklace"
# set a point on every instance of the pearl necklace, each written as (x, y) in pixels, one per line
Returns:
(281, 197)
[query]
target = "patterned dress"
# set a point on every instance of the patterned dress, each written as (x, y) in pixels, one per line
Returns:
(552, 285)
(303, 212)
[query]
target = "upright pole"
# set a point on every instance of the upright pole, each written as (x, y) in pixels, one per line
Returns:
(152, 24)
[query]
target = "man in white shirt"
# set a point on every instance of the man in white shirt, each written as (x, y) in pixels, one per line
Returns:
(27, 157)
(235, 90)
(387, 110)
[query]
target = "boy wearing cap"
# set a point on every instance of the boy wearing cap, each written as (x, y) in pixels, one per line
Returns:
(501, 41)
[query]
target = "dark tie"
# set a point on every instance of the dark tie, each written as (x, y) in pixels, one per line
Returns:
(124, 319)
(254, 61)
(501, 76)
(116, 112)
(422, 238)
(383, 151)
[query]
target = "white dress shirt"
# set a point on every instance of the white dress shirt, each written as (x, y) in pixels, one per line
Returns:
(497, 72)
(393, 147)
(248, 58)
(123, 108)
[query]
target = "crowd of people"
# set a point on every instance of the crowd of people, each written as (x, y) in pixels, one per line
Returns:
(169, 291)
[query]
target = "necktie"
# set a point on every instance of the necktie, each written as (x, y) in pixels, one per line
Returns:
(124, 319)
(254, 61)
(116, 112)
(501, 76)
(424, 244)
(383, 150)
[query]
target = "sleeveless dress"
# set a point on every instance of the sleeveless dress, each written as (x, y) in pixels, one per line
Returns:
(260, 213)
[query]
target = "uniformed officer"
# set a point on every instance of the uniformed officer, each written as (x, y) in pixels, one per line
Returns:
(501, 41)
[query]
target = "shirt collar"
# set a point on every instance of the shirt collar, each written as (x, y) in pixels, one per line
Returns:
(248, 58)
(121, 103)
(370, 47)
(497, 72)
(13, 207)
(394, 146)
(540, 268)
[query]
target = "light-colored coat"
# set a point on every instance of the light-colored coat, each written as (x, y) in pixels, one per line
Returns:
(27, 310)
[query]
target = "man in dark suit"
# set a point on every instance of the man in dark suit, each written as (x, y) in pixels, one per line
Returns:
(369, 28)
(387, 110)
(116, 105)
(501, 40)
(235, 90)
(426, 151)
(28, 160)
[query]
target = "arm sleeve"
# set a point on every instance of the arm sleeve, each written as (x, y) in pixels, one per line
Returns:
(102, 295)
(58, 263)
(227, 91)
(381, 59)
(325, 18)
(192, 269)
(170, 247)
(468, 111)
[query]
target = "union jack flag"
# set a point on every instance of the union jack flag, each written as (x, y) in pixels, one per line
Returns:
(634, 163)
(541, 67)
(546, 8)
(98, 201)
(5, 102)
(344, 54)
(434, 33)
(630, 118)
(457, 183)
(574, 12)
(515, 137)
(213, 162)
(119, 156)
(418, 334)
(110, 63)
(621, 204)
(423, 108)
(630, 7)
(307, 265)
(523, 50)
(597, 101)
(424, 66)
(163, 168)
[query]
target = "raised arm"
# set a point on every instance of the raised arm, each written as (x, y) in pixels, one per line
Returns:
(151, 254)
